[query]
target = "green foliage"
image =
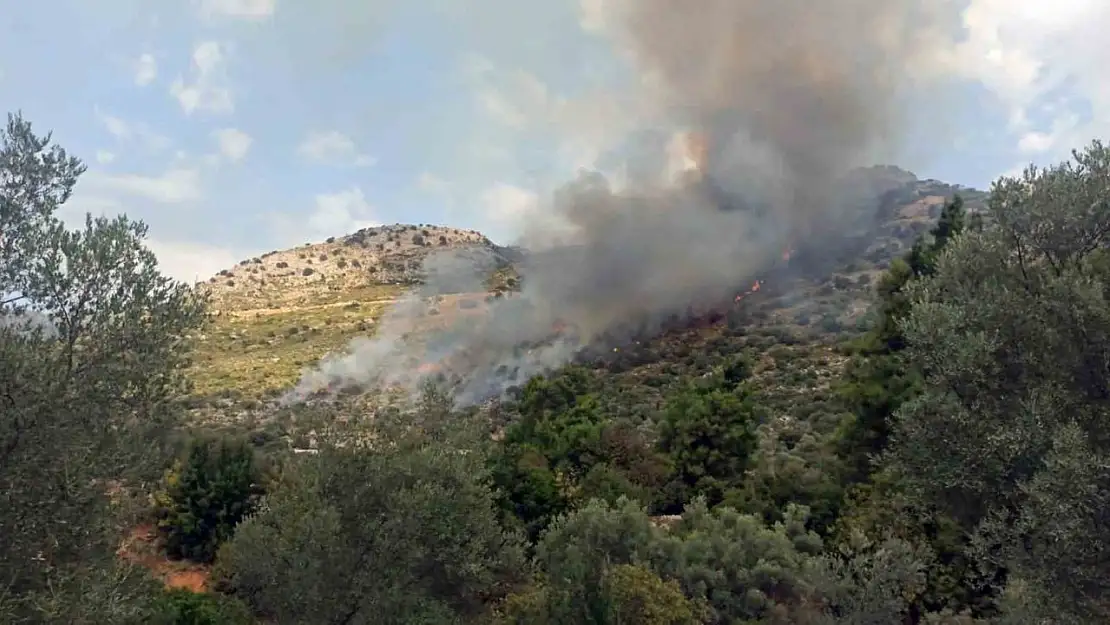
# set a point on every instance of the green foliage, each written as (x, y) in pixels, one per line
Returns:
(1012, 332)
(881, 378)
(637, 595)
(708, 433)
(206, 497)
(563, 447)
(730, 567)
(184, 607)
(404, 530)
(93, 345)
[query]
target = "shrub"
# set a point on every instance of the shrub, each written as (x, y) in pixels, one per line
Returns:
(183, 607)
(307, 271)
(205, 496)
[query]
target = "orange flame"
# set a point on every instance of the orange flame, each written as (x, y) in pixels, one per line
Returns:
(697, 149)
(754, 288)
(427, 368)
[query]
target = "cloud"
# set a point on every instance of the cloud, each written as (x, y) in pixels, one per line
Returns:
(190, 262)
(332, 215)
(333, 147)
(519, 99)
(432, 183)
(234, 143)
(104, 157)
(238, 9)
(208, 88)
(133, 132)
(583, 127)
(507, 206)
(146, 70)
(1045, 62)
(340, 213)
(176, 185)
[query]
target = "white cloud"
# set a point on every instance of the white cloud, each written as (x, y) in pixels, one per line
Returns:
(234, 143)
(342, 212)
(432, 183)
(104, 157)
(240, 9)
(190, 262)
(506, 210)
(595, 16)
(1046, 62)
(584, 126)
(174, 186)
(133, 132)
(146, 70)
(513, 213)
(333, 147)
(518, 99)
(508, 203)
(208, 88)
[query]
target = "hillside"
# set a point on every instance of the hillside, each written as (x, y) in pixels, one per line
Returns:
(282, 311)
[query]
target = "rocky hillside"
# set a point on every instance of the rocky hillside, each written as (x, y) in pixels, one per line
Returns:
(380, 256)
(282, 311)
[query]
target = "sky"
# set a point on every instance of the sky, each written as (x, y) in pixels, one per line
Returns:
(235, 127)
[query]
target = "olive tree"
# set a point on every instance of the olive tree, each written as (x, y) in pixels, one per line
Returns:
(400, 526)
(1013, 335)
(93, 339)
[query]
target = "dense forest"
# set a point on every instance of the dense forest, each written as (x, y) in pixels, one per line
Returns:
(956, 470)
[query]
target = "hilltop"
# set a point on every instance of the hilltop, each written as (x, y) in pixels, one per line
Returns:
(280, 312)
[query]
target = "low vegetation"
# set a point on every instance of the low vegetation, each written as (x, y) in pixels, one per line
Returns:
(923, 445)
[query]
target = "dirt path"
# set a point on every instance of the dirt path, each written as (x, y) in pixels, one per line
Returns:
(265, 312)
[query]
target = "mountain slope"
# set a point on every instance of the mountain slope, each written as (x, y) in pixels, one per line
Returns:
(282, 311)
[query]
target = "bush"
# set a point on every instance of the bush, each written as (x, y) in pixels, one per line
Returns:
(205, 496)
(183, 607)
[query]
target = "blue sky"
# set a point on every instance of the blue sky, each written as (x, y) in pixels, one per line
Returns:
(233, 127)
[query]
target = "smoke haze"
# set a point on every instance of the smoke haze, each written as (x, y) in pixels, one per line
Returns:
(786, 97)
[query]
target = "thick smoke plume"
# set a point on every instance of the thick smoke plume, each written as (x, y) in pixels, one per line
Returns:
(786, 96)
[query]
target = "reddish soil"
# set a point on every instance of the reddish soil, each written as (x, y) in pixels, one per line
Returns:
(141, 547)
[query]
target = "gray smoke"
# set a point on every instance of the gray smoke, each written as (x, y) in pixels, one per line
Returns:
(790, 94)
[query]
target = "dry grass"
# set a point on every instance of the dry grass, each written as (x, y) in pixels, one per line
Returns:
(282, 311)
(260, 351)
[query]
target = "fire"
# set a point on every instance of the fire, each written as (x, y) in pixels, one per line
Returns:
(428, 368)
(754, 288)
(697, 150)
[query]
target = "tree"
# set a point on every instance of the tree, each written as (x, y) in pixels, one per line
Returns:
(206, 496)
(401, 530)
(880, 378)
(708, 433)
(730, 567)
(1012, 333)
(93, 341)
